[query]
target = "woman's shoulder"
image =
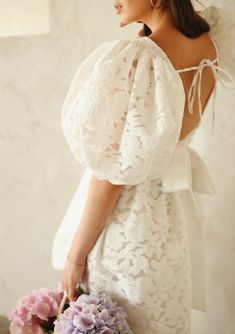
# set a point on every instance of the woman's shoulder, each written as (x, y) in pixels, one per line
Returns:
(129, 65)
(126, 66)
(139, 44)
(140, 52)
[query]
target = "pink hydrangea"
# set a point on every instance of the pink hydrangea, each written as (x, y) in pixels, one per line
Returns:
(35, 309)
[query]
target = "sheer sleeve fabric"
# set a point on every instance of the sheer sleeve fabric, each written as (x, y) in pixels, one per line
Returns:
(123, 113)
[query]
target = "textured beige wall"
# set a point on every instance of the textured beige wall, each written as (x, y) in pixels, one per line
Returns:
(38, 172)
(25, 17)
(39, 175)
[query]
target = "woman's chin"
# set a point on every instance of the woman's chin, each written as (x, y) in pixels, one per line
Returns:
(122, 24)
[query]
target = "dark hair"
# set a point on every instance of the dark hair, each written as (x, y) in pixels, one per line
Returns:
(186, 19)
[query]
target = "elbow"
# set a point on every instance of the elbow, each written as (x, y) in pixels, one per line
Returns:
(107, 184)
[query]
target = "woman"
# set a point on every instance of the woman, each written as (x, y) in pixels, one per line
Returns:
(134, 230)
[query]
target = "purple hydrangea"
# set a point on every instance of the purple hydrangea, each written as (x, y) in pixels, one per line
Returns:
(92, 315)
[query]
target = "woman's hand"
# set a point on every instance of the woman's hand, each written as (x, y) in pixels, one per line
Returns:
(101, 200)
(71, 276)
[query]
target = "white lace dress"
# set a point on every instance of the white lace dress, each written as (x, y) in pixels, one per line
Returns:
(122, 118)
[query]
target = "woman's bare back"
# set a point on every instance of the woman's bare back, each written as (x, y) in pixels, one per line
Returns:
(186, 52)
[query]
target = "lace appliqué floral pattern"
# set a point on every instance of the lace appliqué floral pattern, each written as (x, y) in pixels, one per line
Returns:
(141, 259)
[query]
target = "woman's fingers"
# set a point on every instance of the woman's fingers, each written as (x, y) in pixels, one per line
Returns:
(63, 282)
(70, 278)
(70, 287)
(72, 292)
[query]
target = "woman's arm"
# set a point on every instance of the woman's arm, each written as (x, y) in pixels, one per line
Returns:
(101, 199)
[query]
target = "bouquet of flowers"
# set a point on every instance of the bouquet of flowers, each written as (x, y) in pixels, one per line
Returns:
(46, 311)
(90, 315)
(36, 312)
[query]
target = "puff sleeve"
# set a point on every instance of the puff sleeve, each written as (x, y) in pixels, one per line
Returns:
(122, 115)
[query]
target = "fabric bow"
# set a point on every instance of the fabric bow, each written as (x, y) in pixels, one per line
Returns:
(187, 170)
